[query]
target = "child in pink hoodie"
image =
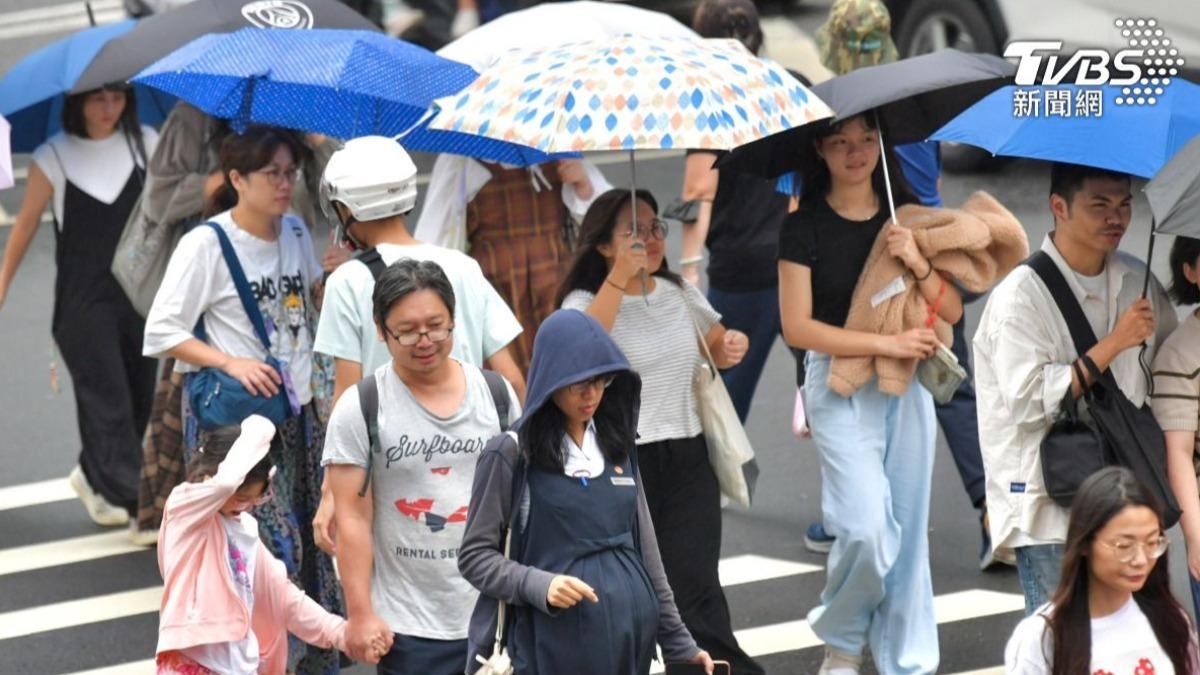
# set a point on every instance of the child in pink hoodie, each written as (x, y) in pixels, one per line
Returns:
(227, 604)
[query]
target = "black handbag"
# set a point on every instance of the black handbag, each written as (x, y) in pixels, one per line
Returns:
(1128, 435)
(1071, 451)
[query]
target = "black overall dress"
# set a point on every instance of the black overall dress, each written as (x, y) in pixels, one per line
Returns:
(99, 335)
(589, 532)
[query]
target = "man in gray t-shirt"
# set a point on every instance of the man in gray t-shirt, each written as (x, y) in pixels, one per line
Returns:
(398, 544)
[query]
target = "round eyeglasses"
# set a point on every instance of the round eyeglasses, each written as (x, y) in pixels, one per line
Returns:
(1127, 549)
(656, 230)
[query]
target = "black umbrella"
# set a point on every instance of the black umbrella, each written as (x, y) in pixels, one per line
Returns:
(160, 34)
(912, 97)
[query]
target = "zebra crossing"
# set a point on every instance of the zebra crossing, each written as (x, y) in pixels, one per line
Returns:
(85, 601)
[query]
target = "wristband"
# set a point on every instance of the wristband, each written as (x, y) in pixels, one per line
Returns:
(693, 260)
(927, 274)
(614, 284)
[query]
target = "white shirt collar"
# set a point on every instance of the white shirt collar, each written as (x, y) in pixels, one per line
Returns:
(583, 461)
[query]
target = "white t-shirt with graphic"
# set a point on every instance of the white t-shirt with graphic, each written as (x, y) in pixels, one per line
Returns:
(241, 657)
(421, 484)
(483, 323)
(1123, 643)
(197, 283)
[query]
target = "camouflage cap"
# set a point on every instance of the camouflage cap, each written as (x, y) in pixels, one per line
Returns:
(858, 33)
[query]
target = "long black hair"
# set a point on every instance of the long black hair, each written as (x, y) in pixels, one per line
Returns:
(74, 123)
(1101, 497)
(248, 152)
(588, 270)
(816, 180)
(214, 447)
(542, 434)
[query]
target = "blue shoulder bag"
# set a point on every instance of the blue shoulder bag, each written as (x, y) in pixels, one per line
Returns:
(219, 400)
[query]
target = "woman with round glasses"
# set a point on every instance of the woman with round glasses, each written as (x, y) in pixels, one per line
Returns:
(582, 575)
(1113, 611)
(398, 539)
(276, 254)
(653, 315)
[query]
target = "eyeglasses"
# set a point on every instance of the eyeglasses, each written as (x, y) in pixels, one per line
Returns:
(599, 382)
(656, 230)
(254, 502)
(1126, 550)
(276, 177)
(435, 335)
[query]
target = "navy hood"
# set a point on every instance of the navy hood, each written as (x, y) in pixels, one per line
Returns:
(570, 347)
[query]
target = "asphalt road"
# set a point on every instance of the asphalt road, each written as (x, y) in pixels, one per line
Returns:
(74, 597)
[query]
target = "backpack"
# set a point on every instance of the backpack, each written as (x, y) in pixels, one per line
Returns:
(368, 401)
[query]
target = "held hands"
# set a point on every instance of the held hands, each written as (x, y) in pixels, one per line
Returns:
(257, 377)
(902, 244)
(918, 343)
(566, 592)
(1135, 326)
(368, 638)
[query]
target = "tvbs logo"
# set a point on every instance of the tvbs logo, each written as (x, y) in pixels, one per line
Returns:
(1143, 69)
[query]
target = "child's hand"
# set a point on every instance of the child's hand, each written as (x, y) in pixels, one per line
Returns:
(368, 638)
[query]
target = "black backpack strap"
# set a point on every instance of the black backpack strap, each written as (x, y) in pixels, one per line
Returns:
(499, 391)
(373, 261)
(368, 402)
(1081, 331)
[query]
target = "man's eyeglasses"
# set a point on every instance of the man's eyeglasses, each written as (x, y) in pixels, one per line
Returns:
(275, 176)
(599, 382)
(435, 335)
(1126, 549)
(656, 230)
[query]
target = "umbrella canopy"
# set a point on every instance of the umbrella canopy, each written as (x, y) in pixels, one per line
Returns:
(343, 83)
(6, 171)
(631, 93)
(557, 23)
(160, 34)
(912, 97)
(1133, 139)
(33, 91)
(1174, 193)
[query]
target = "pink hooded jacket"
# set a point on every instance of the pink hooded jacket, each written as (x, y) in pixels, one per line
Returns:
(200, 605)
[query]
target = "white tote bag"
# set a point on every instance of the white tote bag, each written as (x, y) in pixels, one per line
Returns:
(729, 450)
(499, 662)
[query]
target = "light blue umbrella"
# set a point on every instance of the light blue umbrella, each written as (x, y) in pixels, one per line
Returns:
(341, 83)
(33, 91)
(1136, 139)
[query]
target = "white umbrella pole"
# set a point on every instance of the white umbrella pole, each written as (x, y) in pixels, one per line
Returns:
(633, 223)
(887, 179)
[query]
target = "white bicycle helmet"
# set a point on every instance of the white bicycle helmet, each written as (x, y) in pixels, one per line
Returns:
(372, 176)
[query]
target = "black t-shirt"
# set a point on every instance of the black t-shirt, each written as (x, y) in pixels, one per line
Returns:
(834, 249)
(743, 234)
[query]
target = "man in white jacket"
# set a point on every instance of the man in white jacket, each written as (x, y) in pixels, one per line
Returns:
(1024, 356)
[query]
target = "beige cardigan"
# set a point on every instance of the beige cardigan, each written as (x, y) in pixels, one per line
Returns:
(974, 247)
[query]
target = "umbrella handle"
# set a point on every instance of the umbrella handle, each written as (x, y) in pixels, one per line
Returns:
(1149, 257)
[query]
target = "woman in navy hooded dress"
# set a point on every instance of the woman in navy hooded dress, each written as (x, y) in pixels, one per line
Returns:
(584, 579)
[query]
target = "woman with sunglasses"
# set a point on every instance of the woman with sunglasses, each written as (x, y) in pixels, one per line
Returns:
(1113, 611)
(582, 572)
(402, 505)
(620, 278)
(273, 247)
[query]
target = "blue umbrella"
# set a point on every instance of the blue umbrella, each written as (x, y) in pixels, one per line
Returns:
(1137, 139)
(342, 83)
(32, 93)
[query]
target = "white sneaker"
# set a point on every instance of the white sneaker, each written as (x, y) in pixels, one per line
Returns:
(142, 537)
(838, 663)
(97, 507)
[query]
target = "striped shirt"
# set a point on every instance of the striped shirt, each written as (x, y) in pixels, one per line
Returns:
(1176, 397)
(660, 343)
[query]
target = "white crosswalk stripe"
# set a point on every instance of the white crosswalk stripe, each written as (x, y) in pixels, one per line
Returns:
(57, 18)
(738, 571)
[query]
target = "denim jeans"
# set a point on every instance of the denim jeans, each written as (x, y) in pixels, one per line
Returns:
(876, 455)
(1039, 568)
(755, 313)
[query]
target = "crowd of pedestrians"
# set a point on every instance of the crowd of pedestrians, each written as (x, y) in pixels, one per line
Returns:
(489, 419)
